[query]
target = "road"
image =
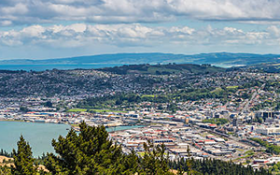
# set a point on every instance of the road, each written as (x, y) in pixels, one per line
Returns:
(246, 107)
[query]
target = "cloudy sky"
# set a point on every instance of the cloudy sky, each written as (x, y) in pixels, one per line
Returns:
(40, 29)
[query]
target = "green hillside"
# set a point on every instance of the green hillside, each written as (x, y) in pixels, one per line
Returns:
(166, 69)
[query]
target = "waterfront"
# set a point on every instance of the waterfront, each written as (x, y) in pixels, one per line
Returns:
(36, 67)
(39, 135)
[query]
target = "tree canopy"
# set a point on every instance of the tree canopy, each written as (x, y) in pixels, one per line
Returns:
(23, 160)
(91, 151)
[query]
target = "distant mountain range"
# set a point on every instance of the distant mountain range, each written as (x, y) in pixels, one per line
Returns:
(222, 59)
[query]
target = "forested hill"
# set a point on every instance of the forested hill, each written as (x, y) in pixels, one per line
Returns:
(166, 69)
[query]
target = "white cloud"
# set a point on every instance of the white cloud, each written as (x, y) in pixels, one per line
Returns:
(273, 30)
(134, 35)
(35, 31)
(5, 23)
(17, 9)
(136, 11)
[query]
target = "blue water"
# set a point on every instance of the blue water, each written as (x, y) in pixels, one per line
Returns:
(55, 66)
(39, 135)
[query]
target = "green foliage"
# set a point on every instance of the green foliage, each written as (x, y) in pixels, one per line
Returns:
(218, 121)
(275, 168)
(232, 87)
(155, 161)
(264, 104)
(23, 161)
(107, 102)
(77, 110)
(166, 69)
(172, 107)
(197, 94)
(23, 109)
(258, 119)
(5, 170)
(270, 148)
(214, 167)
(6, 154)
(48, 104)
(90, 152)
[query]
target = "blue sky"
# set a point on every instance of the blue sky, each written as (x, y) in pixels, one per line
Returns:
(39, 29)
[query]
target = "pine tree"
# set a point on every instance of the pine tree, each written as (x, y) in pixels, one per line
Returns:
(155, 161)
(23, 161)
(4, 170)
(131, 163)
(89, 152)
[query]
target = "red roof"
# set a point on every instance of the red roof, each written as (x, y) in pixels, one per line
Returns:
(148, 132)
(212, 125)
(209, 141)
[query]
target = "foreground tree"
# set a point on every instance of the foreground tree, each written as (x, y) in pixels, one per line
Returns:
(90, 152)
(23, 161)
(155, 160)
(5, 170)
(214, 167)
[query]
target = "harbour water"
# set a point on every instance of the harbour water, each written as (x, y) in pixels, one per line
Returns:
(55, 66)
(39, 135)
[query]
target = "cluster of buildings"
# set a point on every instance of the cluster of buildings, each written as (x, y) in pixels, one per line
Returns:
(178, 140)
(247, 101)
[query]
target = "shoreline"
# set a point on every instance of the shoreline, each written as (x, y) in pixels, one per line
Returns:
(74, 126)
(37, 146)
(27, 121)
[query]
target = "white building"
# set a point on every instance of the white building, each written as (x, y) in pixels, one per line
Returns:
(268, 131)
